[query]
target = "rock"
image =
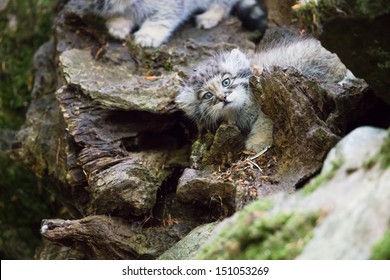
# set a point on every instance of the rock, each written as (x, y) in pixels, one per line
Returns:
(119, 176)
(341, 219)
(252, 235)
(362, 143)
(43, 145)
(94, 236)
(211, 152)
(361, 219)
(114, 86)
(308, 119)
(51, 251)
(131, 184)
(35, 144)
(188, 247)
(204, 188)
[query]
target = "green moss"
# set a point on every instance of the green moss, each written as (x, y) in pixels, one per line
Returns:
(383, 156)
(320, 179)
(369, 163)
(199, 149)
(261, 205)
(384, 153)
(381, 250)
(254, 236)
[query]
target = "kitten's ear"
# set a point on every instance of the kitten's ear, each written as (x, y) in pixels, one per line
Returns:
(237, 59)
(238, 55)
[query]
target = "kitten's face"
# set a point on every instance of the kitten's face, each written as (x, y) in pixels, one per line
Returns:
(217, 90)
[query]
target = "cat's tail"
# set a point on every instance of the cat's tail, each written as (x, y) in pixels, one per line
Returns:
(253, 14)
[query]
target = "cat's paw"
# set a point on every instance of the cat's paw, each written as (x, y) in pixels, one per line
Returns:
(210, 18)
(205, 21)
(150, 36)
(119, 27)
(348, 81)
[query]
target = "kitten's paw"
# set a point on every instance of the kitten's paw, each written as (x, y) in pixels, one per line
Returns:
(206, 21)
(261, 135)
(146, 40)
(119, 27)
(348, 81)
(150, 37)
(211, 18)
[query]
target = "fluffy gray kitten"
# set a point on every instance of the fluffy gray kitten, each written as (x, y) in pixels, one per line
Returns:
(218, 89)
(157, 19)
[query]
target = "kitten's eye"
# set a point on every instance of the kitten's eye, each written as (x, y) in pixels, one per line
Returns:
(208, 95)
(226, 82)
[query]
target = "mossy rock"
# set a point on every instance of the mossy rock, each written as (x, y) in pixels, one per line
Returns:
(381, 250)
(252, 234)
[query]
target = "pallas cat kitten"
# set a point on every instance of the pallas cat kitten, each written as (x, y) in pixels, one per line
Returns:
(157, 19)
(218, 89)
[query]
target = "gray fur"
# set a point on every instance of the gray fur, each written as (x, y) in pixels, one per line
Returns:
(157, 19)
(235, 103)
(305, 54)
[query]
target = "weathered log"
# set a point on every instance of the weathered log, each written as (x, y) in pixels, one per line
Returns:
(309, 118)
(119, 178)
(104, 237)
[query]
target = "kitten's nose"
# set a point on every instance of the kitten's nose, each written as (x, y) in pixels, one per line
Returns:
(222, 97)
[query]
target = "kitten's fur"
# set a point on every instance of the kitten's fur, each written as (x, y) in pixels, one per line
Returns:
(157, 19)
(218, 90)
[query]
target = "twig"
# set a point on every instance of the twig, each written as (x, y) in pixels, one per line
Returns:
(260, 153)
